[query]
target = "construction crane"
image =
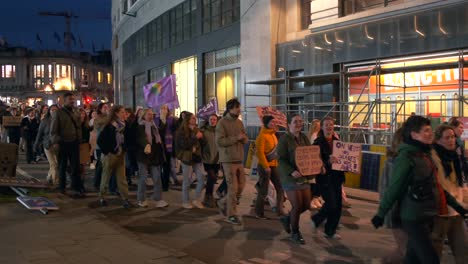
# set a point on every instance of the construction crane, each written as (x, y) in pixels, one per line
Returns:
(67, 38)
(67, 34)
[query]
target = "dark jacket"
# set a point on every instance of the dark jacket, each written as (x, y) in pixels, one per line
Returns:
(287, 161)
(66, 126)
(331, 176)
(185, 147)
(107, 141)
(43, 135)
(157, 155)
(30, 128)
(413, 185)
(210, 153)
(168, 133)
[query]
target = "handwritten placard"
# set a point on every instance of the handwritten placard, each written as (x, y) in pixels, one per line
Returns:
(12, 121)
(279, 117)
(308, 160)
(348, 155)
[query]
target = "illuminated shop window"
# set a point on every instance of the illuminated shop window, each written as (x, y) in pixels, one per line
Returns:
(99, 77)
(8, 71)
(109, 78)
(186, 74)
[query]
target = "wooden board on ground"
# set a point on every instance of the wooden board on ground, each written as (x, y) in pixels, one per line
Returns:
(12, 121)
(308, 160)
(17, 182)
(37, 203)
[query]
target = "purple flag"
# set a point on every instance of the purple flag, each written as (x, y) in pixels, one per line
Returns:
(161, 92)
(210, 108)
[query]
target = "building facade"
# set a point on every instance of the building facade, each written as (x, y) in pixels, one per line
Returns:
(368, 63)
(33, 76)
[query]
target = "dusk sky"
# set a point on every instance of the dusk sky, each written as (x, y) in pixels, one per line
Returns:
(20, 23)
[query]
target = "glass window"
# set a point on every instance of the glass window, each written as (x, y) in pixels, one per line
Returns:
(109, 78)
(186, 73)
(158, 73)
(38, 76)
(306, 13)
(139, 81)
(8, 71)
(99, 77)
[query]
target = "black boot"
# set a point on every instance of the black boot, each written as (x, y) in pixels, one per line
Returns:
(209, 201)
(297, 238)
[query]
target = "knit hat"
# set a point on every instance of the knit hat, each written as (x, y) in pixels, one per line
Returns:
(266, 120)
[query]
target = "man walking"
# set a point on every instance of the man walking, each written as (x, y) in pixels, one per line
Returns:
(66, 132)
(230, 139)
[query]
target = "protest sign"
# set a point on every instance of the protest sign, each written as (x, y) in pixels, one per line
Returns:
(161, 92)
(280, 118)
(308, 160)
(348, 156)
(464, 121)
(210, 108)
(12, 121)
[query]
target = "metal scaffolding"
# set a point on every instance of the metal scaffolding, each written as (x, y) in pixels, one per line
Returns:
(370, 118)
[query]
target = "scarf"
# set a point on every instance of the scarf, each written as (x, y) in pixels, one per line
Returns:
(151, 132)
(423, 147)
(447, 157)
(119, 135)
(168, 135)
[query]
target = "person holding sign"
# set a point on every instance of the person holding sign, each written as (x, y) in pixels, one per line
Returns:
(330, 182)
(266, 144)
(295, 184)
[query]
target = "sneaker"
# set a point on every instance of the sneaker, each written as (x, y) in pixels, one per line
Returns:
(313, 226)
(126, 204)
(221, 207)
(334, 236)
(161, 204)
(233, 220)
(92, 166)
(187, 206)
(143, 204)
(103, 202)
(197, 204)
(297, 238)
(261, 217)
(286, 222)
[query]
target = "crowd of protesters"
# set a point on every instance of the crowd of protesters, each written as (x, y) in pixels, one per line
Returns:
(422, 186)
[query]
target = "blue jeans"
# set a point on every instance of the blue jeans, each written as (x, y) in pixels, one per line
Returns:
(187, 172)
(157, 186)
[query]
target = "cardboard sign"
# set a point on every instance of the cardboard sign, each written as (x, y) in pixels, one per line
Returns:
(12, 121)
(280, 118)
(308, 160)
(349, 156)
(37, 203)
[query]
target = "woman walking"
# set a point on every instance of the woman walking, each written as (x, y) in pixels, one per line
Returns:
(330, 182)
(188, 149)
(43, 138)
(414, 182)
(266, 146)
(297, 186)
(111, 142)
(449, 224)
(150, 156)
(30, 127)
(210, 157)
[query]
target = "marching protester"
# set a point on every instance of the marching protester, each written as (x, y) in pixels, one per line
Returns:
(65, 134)
(230, 139)
(414, 182)
(112, 145)
(150, 156)
(30, 127)
(296, 185)
(99, 123)
(210, 158)
(85, 146)
(188, 151)
(168, 125)
(317, 200)
(458, 126)
(330, 182)
(449, 224)
(43, 138)
(266, 146)
(392, 219)
(131, 130)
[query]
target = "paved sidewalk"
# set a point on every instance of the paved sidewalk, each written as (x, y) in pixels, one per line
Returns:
(74, 234)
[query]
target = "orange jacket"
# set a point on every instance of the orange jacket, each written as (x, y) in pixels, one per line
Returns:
(266, 141)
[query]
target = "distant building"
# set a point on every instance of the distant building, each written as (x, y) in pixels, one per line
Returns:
(31, 76)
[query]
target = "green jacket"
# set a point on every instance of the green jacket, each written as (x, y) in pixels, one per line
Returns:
(287, 161)
(413, 186)
(66, 126)
(227, 131)
(210, 153)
